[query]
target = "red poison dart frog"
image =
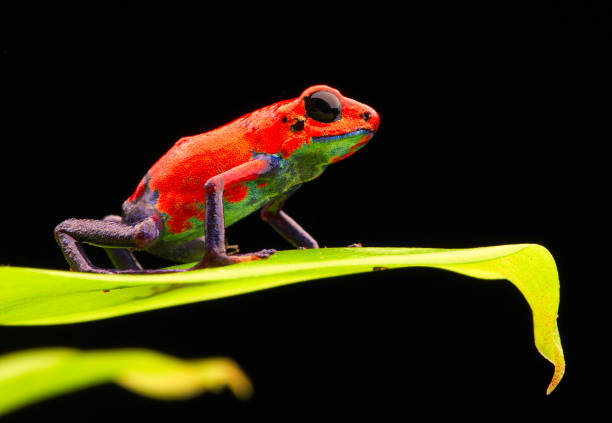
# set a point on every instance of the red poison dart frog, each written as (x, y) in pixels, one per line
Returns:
(206, 182)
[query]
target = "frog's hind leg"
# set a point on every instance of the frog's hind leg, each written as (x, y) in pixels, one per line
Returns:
(282, 223)
(108, 233)
(122, 258)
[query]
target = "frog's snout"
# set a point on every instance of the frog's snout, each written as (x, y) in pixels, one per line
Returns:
(370, 118)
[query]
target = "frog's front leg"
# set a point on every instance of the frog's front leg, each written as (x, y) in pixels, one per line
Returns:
(215, 247)
(282, 223)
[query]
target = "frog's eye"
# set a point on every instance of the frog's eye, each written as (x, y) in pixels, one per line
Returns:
(323, 106)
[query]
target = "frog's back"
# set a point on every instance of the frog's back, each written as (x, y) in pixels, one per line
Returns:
(173, 189)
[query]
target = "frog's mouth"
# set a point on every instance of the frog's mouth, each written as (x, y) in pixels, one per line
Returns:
(339, 147)
(356, 134)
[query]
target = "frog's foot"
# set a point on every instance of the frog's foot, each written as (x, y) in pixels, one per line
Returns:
(355, 245)
(218, 260)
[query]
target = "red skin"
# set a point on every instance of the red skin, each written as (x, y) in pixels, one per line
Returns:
(179, 176)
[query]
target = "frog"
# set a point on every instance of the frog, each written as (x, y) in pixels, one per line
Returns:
(206, 182)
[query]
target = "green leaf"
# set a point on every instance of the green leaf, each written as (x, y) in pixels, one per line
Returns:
(39, 297)
(33, 375)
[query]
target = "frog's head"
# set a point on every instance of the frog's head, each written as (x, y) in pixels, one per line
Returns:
(325, 127)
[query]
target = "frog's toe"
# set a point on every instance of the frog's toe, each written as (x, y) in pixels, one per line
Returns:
(265, 253)
(355, 245)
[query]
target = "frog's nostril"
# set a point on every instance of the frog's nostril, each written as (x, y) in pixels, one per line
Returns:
(370, 116)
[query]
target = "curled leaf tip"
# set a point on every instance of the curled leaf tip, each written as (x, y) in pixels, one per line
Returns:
(559, 362)
(556, 379)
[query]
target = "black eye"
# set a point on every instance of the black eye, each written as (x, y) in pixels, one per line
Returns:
(323, 106)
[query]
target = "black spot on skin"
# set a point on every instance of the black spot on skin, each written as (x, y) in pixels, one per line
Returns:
(297, 126)
(365, 116)
(284, 119)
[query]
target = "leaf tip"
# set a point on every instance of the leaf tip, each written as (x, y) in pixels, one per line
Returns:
(557, 376)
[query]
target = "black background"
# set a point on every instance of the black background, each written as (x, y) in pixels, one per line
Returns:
(494, 121)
